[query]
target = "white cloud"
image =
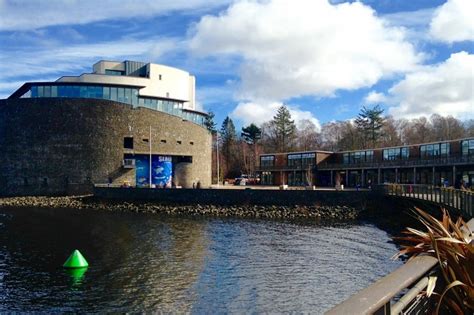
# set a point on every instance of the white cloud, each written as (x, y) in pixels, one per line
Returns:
(50, 60)
(260, 112)
(453, 21)
(305, 47)
(445, 89)
(375, 97)
(28, 15)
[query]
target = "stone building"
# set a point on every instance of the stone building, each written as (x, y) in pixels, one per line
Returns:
(127, 122)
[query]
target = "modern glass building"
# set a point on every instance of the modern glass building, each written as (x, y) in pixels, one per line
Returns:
(153, 86)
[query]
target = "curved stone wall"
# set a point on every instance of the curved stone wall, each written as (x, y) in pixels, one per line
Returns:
(56, 146)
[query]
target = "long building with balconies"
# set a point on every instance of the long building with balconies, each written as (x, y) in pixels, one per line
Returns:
(448, 163)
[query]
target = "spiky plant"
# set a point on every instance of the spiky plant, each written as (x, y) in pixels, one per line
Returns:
(451, 244)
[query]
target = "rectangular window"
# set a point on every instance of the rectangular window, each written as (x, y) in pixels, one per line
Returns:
(467, 147)
(405, 153)
(106, 93)
(54, 91)
(369, 156)
(128, 143)
(391, 154)
(121, 95)
(40, 91)
(445, 149)
(345, 158)
(47, 91)
(294, 159)
(268, 160)
(113, 72)
(113, 94)
(34, 91)
(128, 96)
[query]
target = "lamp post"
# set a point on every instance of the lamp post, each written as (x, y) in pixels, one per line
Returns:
(149, 170)
(217, 157)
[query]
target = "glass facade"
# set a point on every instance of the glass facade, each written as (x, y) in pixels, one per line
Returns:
(467, 147)
(127, 95)
(267, 160)
(396, 154)
(434, 150)
(358, 157)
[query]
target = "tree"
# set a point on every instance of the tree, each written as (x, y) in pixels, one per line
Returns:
(389, 134)
(308, 137)
(284, 129)
(370, 122)
(209, 122)
(251, 135)
(417, 131)
(228, 140)
(446, 128)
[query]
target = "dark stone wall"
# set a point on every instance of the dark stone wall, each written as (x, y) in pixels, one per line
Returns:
(237, 196)
(57, 146)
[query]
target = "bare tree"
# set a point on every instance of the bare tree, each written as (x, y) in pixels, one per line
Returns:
(308, 137)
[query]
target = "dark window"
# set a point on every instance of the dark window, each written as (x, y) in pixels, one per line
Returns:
(145, 140)
(113, 72)
(128, 142)
(267, 160)
(163, 141)
(159, 77)
(178, 142)
(191, 142)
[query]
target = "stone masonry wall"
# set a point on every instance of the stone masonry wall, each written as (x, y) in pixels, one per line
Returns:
(56, 146)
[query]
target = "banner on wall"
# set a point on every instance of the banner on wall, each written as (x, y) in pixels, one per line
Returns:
(142, 168)
(161, 170)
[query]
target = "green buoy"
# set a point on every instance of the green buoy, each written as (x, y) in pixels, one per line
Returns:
(76, 260)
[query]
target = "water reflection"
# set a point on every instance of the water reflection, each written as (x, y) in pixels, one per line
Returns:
(146, 263)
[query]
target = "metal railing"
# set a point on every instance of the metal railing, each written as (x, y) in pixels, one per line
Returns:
(378, 297)
(423, 162)
(460, 200)
(296, 167)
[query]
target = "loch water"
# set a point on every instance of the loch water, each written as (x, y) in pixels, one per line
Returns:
(145, 263)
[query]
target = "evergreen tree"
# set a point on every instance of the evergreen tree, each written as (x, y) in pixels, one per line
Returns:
(228, 140)
(284, 129)
(369, 122)
(209, 122)
(251, 134)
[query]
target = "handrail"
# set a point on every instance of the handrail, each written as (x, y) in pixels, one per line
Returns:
(376, 298)
(461, 200)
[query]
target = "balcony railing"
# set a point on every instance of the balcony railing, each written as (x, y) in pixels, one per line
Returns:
(296, 167)
(451, 160)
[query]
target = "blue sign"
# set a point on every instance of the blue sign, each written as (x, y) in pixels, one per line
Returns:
(142, 168)
(161, 170)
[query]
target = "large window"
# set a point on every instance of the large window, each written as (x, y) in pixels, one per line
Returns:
(434, 150)
(391, 154)
(113, 72)
(268, 160)
(358, 157)
(294, 159)
(308, 159)
(467, 147)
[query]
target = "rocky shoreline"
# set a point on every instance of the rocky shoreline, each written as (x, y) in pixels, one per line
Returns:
(295, 212)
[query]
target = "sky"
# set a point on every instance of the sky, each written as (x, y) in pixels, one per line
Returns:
(323, 59)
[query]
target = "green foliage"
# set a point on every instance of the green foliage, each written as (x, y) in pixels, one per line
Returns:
(209, 122)
(251, 134)
(369, 122)
(284, 129)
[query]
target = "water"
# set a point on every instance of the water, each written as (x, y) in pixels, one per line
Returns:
(146, 263)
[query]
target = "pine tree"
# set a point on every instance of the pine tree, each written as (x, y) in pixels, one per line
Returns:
(285, 129)
(251, 135)
(228, 148)
(209, 122)
(370, 122)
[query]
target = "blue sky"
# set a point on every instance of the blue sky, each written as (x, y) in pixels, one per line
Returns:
(324, 60)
